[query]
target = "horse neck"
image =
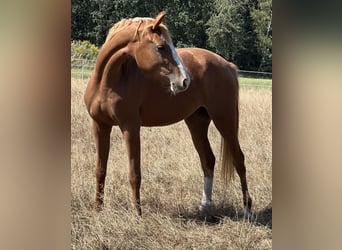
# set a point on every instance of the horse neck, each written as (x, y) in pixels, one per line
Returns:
(112, 55)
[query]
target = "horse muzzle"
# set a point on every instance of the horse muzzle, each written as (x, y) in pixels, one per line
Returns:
(177, 87)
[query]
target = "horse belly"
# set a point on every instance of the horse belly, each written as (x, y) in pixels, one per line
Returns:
(157, 118)
(160, 107)
(162, 114)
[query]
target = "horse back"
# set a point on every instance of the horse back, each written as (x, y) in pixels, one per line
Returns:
(210, 69)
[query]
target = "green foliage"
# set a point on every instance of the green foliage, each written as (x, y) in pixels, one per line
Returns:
(105, 13)
(186, 21)
(262, 19)
(239, 30)
(247, 57)
(83, 50)
(224, 28)
(81, 22)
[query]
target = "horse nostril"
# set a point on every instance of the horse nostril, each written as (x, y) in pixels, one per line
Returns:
(185, 82)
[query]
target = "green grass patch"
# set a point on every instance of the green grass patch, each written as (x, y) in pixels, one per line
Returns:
(77, 73)
(257, 82)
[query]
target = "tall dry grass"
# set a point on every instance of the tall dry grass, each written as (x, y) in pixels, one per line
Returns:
(171, 189)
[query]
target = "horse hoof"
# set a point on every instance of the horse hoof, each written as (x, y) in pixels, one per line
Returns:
(206, 208)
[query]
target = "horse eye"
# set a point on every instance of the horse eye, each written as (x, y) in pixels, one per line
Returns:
(160, 47)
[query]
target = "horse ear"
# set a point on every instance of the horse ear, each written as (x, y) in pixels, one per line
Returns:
(158, 19)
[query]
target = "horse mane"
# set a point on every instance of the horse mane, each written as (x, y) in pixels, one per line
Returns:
(122, 24)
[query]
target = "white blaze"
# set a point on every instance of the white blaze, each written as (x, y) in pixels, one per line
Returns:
(179, 63)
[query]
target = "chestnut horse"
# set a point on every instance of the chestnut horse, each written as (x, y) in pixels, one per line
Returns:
(128, 88)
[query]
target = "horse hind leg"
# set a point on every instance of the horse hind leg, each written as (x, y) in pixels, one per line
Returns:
(102, 140)
(240, 167)
(198, 124)
(232, 156)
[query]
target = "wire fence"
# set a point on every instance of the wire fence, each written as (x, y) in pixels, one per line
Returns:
(83, 68)
(255, 74)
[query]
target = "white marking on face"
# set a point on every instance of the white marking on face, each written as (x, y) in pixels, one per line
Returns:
(180, 65)
(207, 190)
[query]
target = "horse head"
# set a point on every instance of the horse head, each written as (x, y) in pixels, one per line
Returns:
(156, 55)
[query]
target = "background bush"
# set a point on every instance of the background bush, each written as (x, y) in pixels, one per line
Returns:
(240, 31)
(83, 50)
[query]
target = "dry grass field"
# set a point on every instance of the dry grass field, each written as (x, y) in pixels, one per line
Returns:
(171, 189)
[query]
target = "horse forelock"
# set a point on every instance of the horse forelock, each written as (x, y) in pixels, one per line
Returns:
(136, 20)
(165, 33)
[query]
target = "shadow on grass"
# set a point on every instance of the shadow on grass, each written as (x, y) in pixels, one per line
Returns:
(217, 214)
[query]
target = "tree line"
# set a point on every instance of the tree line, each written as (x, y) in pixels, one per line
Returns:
(238, 30)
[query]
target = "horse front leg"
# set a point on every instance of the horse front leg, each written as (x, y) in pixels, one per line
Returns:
(132, 138)
(102, 141)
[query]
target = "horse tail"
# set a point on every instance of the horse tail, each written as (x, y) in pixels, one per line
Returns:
(227, 156)
(236, 75)
(227, 166)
